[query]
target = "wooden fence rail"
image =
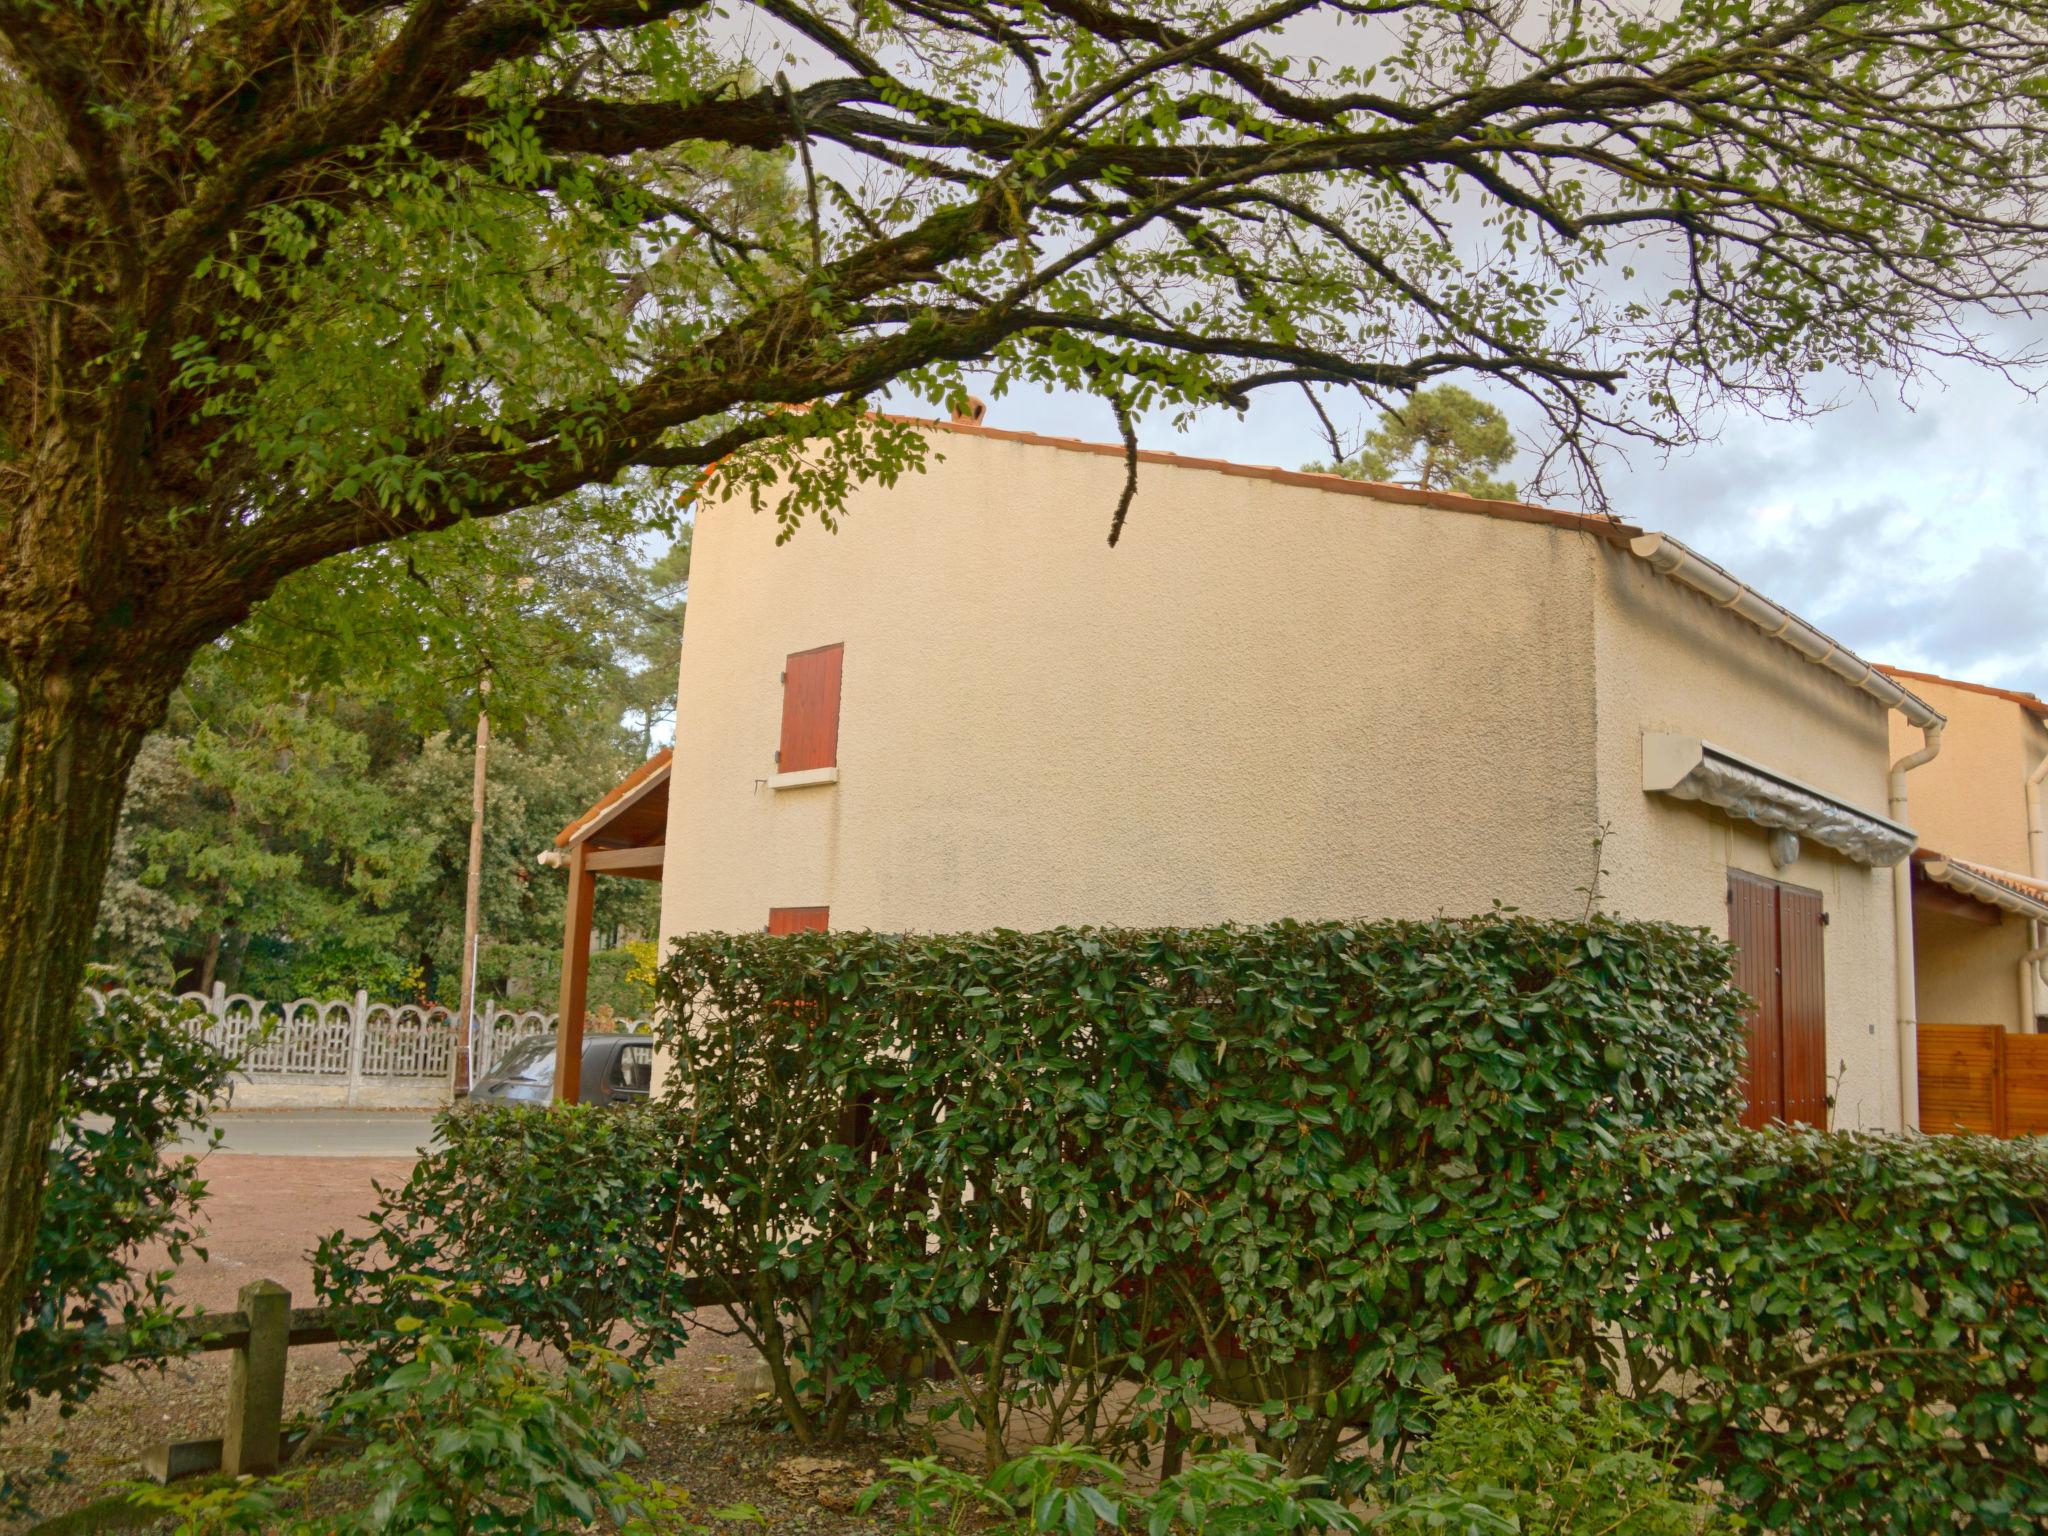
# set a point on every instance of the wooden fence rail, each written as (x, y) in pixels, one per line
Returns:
(261, 1333)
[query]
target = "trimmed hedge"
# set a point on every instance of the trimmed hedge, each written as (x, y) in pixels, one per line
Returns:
(1850, 1331)
(1309, 1168)
(1316, 1173)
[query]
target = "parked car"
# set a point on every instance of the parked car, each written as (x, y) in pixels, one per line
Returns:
(617, 1069)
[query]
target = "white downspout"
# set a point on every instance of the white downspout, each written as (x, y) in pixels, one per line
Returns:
(2037, 866)
(1902, 934)
(2030, 967)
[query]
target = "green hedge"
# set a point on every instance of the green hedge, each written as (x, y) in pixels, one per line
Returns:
(1310, 1169)
(1850, 1331)
(1315, 1172)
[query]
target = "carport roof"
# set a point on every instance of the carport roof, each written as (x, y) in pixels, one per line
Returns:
(2018, 894)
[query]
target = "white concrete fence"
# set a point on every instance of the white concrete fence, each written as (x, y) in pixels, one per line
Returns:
(348, 1052)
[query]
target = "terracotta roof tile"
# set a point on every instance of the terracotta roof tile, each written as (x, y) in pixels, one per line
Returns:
(2027, 701)
(1601, 526)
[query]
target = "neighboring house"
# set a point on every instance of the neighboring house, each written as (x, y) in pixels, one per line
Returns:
(1283, 695)
(1980, 902)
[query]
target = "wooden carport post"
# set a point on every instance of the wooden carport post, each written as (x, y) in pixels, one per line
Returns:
(575, 978)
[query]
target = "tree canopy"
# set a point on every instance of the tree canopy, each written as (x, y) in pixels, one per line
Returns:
(282, 281)
(1439, 439)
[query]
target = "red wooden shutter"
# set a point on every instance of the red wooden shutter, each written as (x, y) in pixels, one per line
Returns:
(1802, 1006)
(1753, 926)
(798, 919)
(810, 710)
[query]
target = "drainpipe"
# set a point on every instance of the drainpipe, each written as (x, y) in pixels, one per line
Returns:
(2030, 967)
(2037, 866)
(1902, 932)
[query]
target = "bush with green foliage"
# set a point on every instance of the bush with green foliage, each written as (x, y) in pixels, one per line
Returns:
(1311, 1169)
(1067, 1490)
(551, 1218)
(1848, 1331)
(138, 1079)
(1540, 1455)
(1525, 1456)
(465, 1435)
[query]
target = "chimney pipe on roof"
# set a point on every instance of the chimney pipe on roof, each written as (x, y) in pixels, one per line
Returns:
(970, 414)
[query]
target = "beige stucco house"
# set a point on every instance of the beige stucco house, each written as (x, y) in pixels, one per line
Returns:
(1283, 694)
(1980, 910)
(1980, 873)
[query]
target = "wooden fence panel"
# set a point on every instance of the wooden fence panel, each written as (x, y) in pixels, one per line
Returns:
(2026, 1085)
(1960, 1078)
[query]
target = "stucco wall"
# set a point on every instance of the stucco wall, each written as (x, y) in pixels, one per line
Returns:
(1968, 973)
(1268, 701)
(1271, 700)
(1671, 661)
(1971, 800)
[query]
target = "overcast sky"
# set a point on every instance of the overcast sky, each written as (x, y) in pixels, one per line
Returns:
(1913, 535)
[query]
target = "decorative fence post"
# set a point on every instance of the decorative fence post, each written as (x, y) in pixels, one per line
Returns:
(217, 1005)
(359, 1025)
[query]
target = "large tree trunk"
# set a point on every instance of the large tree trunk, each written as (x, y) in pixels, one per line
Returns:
(75, 737)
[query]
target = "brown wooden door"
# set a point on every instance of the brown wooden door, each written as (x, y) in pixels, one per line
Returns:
(1776, 930)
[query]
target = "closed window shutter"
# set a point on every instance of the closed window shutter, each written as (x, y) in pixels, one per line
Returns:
(798, 919)
(810, 710)
(1779, 961)
(1802, 1006)
(1753, 926)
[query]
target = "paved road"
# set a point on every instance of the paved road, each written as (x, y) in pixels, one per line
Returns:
(325, 1132)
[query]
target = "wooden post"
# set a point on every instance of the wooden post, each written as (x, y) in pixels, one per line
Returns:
(472, 897)
(256, 1382)
(575, 979)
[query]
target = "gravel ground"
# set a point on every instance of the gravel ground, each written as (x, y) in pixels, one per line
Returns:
(263, 1214)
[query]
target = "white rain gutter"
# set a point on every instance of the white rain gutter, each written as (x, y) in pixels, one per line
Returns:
(1667, 556)
(1958, 876)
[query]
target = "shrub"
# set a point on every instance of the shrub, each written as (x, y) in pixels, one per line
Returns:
(551, 1218)
(465, 1435)
(1310, 1169)
(138, 1078)
(1848, 1331)
(1540, 1456)
(1065, 1490)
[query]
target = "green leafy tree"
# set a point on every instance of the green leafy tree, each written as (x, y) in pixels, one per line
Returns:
(280, 283)
(270, 830)
(534, 793)
(1439, 439)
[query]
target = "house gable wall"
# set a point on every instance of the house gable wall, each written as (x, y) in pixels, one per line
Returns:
(1270, 700)
(1971, 801)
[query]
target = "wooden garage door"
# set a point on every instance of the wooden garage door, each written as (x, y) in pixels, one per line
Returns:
(1779, 961)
